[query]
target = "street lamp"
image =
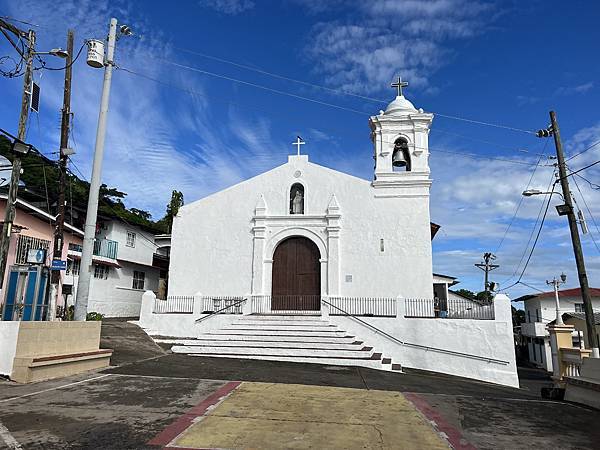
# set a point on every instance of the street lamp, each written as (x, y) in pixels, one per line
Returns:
(532, 192)
(18, 146)
(55, 52)
(556, 283)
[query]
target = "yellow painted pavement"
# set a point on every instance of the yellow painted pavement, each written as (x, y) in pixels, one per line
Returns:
(281, 416)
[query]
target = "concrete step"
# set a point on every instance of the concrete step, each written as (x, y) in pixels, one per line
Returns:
(279, 332)
(277, 338)
(270, 351)
(308, 323)
(370, 363)
(202, 343)
(272, 327)
(267, 317)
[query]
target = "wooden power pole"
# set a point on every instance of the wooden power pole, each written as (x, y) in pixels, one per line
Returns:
(11, 200)
(577, 250)
(62, 165)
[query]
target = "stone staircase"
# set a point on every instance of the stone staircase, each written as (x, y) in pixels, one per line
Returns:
(305, 339)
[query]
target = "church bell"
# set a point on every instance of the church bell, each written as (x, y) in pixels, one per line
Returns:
(398, 159)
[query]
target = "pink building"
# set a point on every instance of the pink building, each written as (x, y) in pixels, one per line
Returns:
(33, 228)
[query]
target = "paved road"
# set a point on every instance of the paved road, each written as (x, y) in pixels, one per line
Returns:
(127, 406)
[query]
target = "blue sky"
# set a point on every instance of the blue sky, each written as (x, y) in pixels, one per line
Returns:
(502, 62)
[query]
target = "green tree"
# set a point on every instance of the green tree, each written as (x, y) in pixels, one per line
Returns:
(173, 208)
(466, 293)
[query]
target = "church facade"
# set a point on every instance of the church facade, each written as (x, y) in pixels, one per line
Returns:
(307, 264)
(304, 229)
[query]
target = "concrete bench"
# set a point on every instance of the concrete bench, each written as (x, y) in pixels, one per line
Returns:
(30, 369)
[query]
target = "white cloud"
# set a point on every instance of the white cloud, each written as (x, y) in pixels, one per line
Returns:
(577, 89)
(230, 7)
(365, 50)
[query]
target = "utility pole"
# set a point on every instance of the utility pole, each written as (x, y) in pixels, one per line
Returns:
(487, 267)
(62, 166)
(85, 274)
(556, 283)
(11, 200)
(577, 250)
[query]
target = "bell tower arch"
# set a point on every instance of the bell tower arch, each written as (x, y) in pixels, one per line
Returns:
(400, 137)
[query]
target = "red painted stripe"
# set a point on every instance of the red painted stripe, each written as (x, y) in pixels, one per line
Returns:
(184, 421)
(453, 435)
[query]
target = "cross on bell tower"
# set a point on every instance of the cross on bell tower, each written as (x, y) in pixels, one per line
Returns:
(399, 85)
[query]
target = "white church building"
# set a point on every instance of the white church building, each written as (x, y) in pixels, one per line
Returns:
(305, 263)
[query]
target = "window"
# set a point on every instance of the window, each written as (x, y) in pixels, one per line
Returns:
(297, 199)
(101, 271)
(73, 266)
(537, 315)
(130, 239)
(528, 316)
(579, 307)
(26, 243)
(138, 279)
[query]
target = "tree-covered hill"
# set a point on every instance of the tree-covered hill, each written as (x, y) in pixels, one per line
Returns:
(39, 185)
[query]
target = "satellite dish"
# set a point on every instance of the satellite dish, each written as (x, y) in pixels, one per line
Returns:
(5, 171)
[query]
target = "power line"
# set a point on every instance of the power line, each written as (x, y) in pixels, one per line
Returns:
(583, 151)
(111, 207)
(592, 185)
(521, 198)
(591, 215)
(194, 92)
(337, 91)
(583, 168)
(536, 239)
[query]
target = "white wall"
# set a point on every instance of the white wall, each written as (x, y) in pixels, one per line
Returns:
(144, 242)
(115, 296)
(214, 251)
(9, 332)
(486, 338)
(547, 307)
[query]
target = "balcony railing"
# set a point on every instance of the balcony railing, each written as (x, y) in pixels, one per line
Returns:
(102, 247)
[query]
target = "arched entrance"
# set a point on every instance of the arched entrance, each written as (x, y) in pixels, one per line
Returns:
(296, 276)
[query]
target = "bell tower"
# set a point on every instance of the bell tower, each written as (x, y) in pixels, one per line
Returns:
(400, 137)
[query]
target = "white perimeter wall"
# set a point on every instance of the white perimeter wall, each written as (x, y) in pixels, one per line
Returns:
(486, 338)
(9, 332)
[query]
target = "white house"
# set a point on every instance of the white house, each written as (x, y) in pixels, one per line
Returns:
(304, 249)
(123, 269)
(540, 310)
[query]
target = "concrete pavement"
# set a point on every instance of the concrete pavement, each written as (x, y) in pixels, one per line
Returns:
(128, 406)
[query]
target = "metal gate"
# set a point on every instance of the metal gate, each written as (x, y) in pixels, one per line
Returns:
(26, 297)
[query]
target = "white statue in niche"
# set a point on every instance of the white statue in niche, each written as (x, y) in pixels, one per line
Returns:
(298, 203)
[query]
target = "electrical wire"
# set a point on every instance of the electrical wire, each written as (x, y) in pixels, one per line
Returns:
(583, 168)
(43, 63)
(592, 185)
(111, 207)
(194, 92)
(337, 91)
(583, 151)
(534, 242)
(521, 198)
(590, 214)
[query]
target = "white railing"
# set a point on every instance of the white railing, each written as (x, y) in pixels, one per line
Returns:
(363, 306)
(572, 359)
(174, 304)
(222, 304)
(449, 309)
(286, 304)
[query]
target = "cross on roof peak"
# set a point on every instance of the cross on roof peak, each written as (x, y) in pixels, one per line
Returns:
(298, 143)
(399, 85)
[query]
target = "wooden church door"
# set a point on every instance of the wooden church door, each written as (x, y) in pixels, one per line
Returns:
(296, 276)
